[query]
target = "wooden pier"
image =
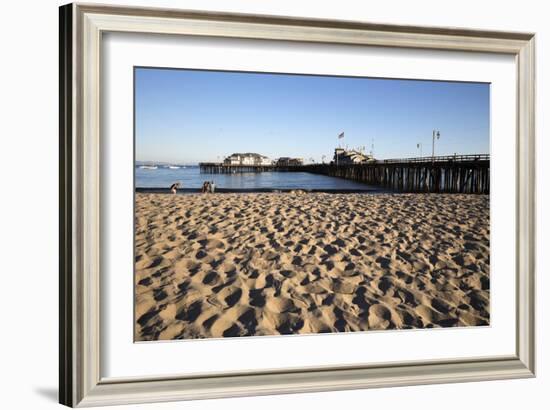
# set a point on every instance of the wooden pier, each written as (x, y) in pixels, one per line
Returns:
(468, 174)
(221, 168)
(450, 174)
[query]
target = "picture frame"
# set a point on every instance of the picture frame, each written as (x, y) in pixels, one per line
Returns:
(81, 31)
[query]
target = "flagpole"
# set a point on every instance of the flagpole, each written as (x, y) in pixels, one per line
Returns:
(341, 135)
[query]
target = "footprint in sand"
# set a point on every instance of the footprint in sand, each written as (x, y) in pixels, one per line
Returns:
(233, 297)
(211, 278)
(280, 305)
(379, 317)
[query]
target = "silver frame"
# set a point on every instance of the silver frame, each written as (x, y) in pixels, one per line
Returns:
(81, 29)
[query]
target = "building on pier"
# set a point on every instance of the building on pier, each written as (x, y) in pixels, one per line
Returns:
(346, 157)
(248, 158)
(289, 162)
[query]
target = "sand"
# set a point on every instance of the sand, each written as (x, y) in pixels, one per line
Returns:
(224, 265)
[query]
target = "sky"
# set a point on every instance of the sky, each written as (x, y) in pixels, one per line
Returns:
(189, 116)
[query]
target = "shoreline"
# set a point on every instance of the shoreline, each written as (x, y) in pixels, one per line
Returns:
(181, 191)
(152, 190)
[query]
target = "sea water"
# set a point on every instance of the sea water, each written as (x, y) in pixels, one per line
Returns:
(191, 177)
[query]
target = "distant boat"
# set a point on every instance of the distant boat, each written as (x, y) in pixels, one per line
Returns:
(148, 167)
(174, 167)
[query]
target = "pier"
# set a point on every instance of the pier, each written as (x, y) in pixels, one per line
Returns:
(221, 168)
(469, 174)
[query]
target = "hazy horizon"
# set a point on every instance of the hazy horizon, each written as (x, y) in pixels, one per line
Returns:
(191, 116)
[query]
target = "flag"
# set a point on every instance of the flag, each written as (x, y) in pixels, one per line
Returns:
(341, 135)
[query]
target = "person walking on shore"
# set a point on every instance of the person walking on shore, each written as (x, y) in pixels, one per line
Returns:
(212, 187)
(174, 187)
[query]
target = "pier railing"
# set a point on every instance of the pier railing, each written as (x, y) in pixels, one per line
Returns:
(444, 158)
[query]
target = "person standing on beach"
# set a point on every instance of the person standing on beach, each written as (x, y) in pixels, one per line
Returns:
(212, 186)
(174, 187)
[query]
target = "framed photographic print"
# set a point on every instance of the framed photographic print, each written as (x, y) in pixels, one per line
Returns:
(257, 205)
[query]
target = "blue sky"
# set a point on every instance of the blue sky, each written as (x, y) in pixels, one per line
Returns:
(188, 116)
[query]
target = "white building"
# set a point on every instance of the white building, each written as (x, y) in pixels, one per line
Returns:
(343, 157)
(287, 161)
(249, 158)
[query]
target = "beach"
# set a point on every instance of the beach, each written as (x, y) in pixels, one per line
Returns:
(226, 265)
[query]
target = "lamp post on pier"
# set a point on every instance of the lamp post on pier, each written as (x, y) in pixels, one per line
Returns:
(435, 134)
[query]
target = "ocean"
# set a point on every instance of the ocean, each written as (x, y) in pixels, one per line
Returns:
(190, 177)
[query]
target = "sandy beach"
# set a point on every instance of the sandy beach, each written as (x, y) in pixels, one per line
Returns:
(223, 265)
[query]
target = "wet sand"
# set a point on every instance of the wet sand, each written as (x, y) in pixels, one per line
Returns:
(223, 265)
